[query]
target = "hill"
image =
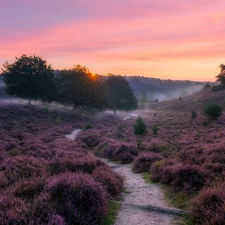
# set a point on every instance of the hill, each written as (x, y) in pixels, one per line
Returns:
(163, 89)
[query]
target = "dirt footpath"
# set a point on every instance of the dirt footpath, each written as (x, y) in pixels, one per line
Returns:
(140, 193)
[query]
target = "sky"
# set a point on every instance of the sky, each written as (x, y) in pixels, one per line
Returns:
(166, 39)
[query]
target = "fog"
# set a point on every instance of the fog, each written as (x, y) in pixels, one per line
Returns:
(169, 95)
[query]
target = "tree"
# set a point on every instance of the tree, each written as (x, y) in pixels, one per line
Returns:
(79, 87)
(121, 95)
(142, 100)
(221, 77)
(140, 127)
(29, 77)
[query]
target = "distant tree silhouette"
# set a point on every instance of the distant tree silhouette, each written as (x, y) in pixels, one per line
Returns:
(221, 77)
(29, 77)
(142, 100)
(121, 95)
(79, 87)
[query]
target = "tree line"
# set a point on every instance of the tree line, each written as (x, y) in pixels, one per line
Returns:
(30, 77)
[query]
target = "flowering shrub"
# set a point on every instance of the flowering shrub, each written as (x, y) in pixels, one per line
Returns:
(157, 169)
(189, 177)
(209, 207)
(143, 162)
(77, 198)
(86, 164)
(121, 152)
(111, 180)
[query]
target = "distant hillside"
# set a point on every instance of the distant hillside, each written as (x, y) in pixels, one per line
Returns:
(195, 101)
(163, 89)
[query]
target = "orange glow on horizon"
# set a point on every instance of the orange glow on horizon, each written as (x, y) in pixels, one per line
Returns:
(181, 40)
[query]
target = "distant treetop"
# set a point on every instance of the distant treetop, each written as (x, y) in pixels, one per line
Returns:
(221, 77)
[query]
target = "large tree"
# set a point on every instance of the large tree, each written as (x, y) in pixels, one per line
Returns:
(121, 96)
(221, 77)
(79, 87)
(29, 77)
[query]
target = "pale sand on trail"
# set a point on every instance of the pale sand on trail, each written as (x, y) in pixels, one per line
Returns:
(138, 192)
(73, 135)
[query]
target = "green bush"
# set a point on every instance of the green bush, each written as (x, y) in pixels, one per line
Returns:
(207, 86)
(193, 115)
(155, 129)
(213, 111)
(217, 88)
(140, 127)
(88, 126)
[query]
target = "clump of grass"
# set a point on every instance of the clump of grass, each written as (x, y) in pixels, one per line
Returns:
(112, 214)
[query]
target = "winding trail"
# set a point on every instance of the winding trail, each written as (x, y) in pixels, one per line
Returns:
(142, 204)
(73, 135)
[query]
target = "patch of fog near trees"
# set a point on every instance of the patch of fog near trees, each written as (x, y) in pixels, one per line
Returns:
(162, 90)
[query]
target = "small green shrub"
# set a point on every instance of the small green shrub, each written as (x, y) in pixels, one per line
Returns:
(140, 127)
(120, 128)
(207, 86)
(88, 126)
(217, 88)
(205, 123)
(180, 99)
(213, 111)
(58, 121)
(155, 129)
(193, 115)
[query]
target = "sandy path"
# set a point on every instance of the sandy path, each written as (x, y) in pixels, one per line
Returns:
(73, 135)
(138, 192)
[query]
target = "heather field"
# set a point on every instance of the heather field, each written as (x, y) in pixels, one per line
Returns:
(42, 171)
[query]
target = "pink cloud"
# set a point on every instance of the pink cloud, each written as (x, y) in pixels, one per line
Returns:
(103, 33)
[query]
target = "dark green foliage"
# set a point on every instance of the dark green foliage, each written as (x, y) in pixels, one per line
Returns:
(213, 111)
(205, 123)
(218, 88)
(142, 100)
(140, 127)
(121, 95)
(88, 126)
(207, 86)
(79, 87)
(193, 114)
(155, 129)
(180, 99)
(221, 77)
(29, 77)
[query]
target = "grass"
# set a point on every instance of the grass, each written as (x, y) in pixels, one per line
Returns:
(146, 177)
(180, 200)
(113, 212)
